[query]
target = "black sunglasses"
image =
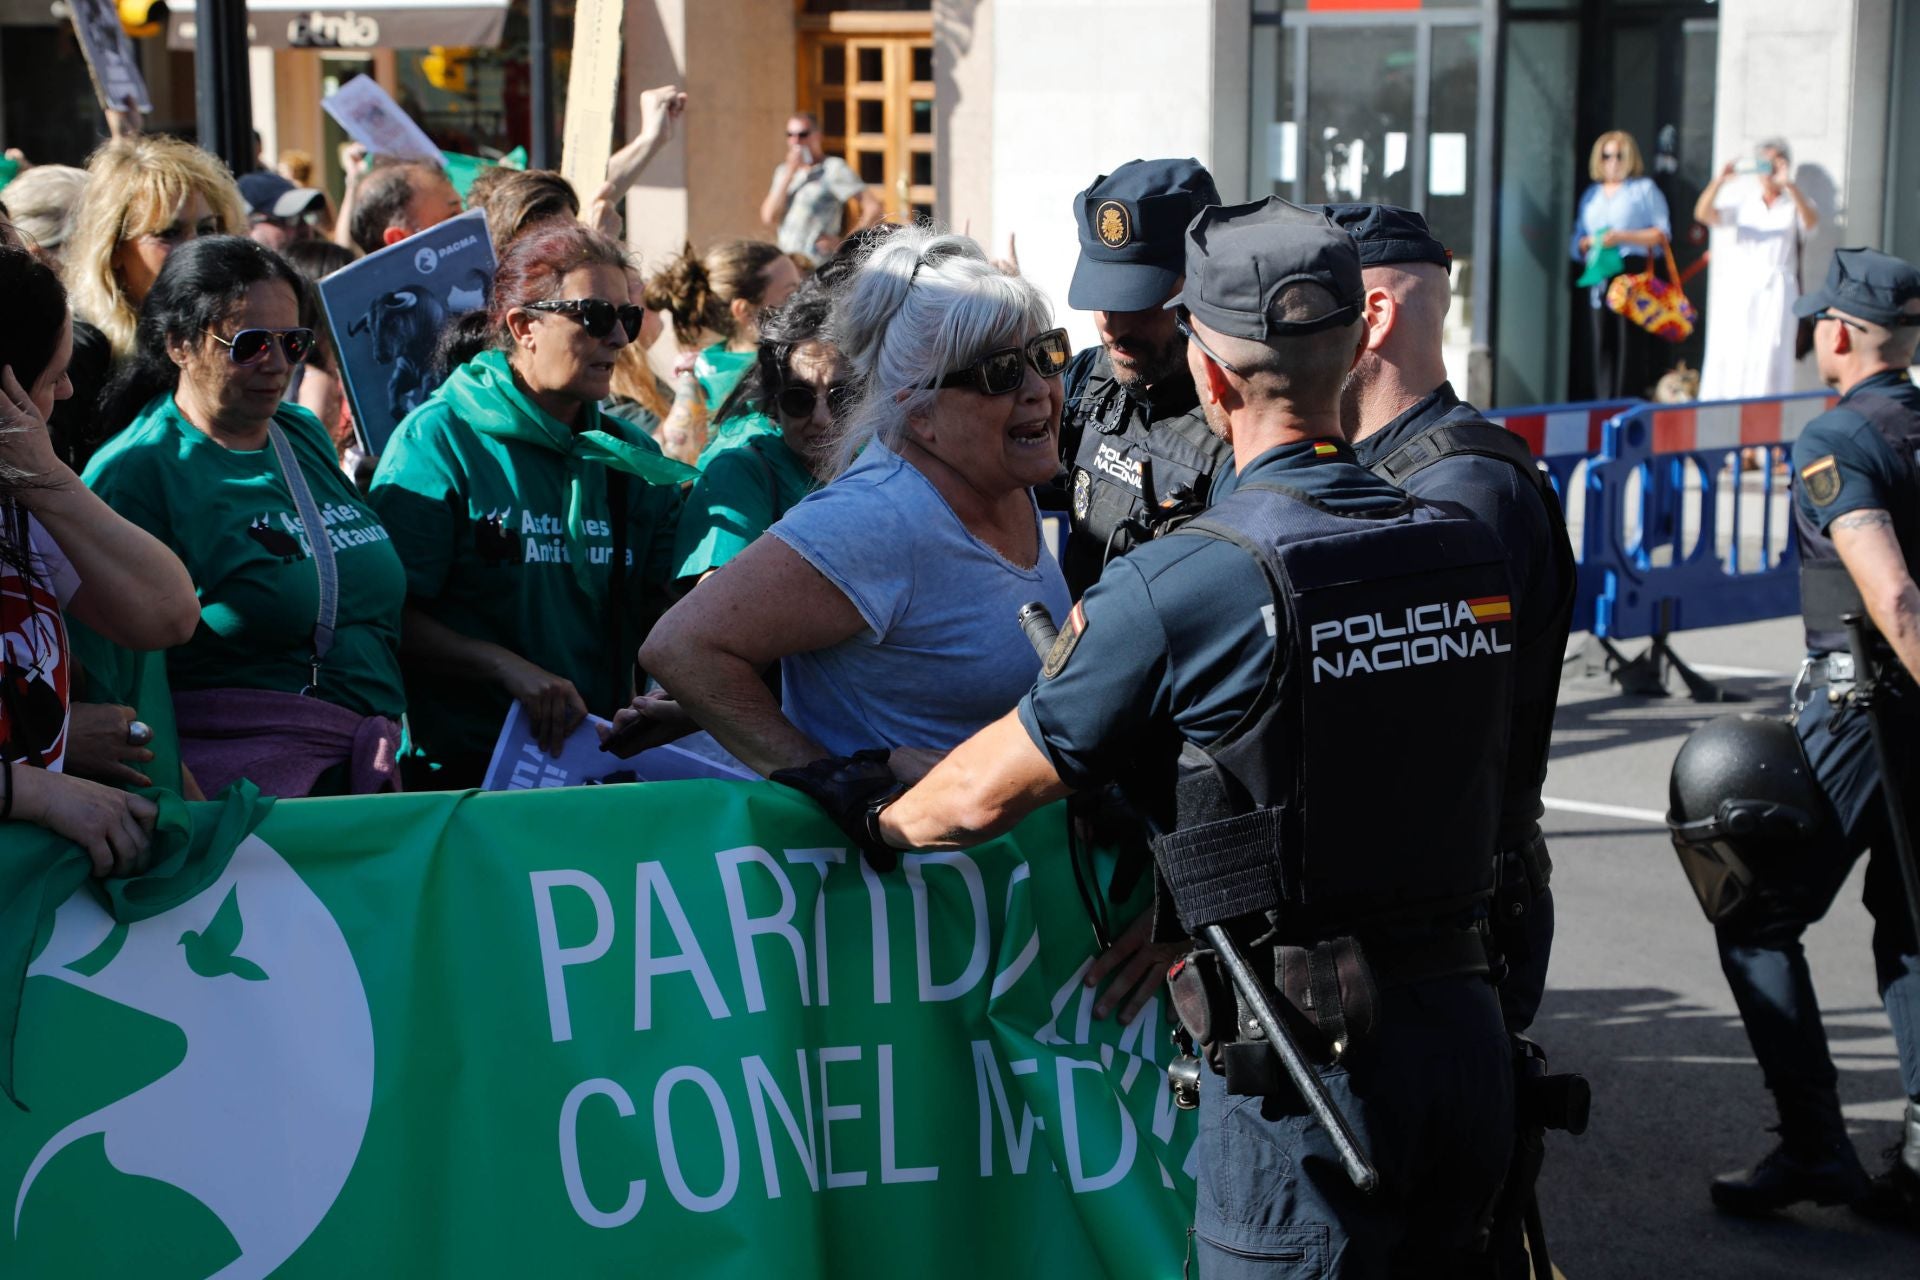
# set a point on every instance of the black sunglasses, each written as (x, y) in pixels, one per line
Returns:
(596, 315)
(1824, 314)
(1182, 320)
(799, 133)
(797, 399)
(249, 346)
(1001, 372)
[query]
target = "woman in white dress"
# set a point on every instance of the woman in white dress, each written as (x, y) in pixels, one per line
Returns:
(1756, 266)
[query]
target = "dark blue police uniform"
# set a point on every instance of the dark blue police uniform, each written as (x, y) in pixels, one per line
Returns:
(1862, 454)
(1443, 449)
(1530, 526)
(1239, 677)
(1175, 645)
(1135, 456)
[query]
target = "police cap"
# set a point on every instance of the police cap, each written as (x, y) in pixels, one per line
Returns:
(1388, 236)
(1131, 226)
(1866, 283)
(1240, 256)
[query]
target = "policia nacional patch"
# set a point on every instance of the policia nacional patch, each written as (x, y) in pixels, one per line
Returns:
(1064, 643)
(1822, 480)
(1113, 225)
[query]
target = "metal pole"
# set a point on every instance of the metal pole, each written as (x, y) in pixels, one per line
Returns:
(222, 90)
(540, 56)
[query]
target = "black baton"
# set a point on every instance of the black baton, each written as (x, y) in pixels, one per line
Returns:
(1866, 696)
(1038, 624)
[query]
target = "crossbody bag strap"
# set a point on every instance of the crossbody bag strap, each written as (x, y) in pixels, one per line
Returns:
(319, 545)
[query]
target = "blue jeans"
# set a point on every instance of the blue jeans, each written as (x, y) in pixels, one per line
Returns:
(1430, 1099)
(1760, 950)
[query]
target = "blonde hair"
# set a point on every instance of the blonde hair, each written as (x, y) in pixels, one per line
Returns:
(133, 187)
(697, 291)
(1629, 150)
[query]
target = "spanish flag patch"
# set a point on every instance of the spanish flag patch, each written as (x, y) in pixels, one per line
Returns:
(1491, 608)
(1321, 449)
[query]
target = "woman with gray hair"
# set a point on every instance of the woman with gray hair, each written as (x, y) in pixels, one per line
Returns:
(889, 597)
(42, 203)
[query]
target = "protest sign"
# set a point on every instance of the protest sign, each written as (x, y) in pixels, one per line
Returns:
(110, 57)
(674, 1029)
(592, 93)
(386, 312)
(373, 119)
(519, 762)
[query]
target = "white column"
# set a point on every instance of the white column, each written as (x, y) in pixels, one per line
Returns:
(1082, 86)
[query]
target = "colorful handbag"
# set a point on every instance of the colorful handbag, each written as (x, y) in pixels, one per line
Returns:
(1658, 306)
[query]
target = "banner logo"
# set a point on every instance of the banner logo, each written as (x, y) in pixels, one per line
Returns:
(262, 1119)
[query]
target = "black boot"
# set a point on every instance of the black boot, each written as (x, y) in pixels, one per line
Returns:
(1894, 1196)
(1814, 1161)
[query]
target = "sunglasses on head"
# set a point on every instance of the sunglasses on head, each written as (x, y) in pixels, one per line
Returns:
(596, 315)
(1000, 372)
(798, 400)
(250, 346)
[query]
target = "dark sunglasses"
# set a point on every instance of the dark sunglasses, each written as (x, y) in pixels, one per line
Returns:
(1823, 314)
(1613, 155)
(596, 315)
(799, 133)
(250, 346)
(797, 399)
(1182, 320)
(1001, 372)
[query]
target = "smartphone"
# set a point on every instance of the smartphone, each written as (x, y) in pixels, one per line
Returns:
(1752, 164)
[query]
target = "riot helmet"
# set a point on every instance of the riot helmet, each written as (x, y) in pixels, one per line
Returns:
(1741, 790)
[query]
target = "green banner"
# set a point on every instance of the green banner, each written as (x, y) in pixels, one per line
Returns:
(670, 1029)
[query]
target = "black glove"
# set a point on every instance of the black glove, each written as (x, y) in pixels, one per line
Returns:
(853, 790)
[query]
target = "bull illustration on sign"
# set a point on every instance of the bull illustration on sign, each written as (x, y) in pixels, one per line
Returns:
(387, 313)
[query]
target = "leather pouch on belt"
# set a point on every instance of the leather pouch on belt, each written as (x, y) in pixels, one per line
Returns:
(1203, 998)
(1332, 986)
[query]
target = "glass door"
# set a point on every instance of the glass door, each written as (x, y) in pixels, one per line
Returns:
(1380, 108)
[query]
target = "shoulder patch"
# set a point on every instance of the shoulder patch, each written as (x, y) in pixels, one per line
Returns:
(1064, 645)
(1821, 478)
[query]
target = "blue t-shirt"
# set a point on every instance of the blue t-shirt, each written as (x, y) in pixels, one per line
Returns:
(1636, 205)
(942, 655)
(1180, 633)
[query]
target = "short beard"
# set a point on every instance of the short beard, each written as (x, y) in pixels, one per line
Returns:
(1155, 369)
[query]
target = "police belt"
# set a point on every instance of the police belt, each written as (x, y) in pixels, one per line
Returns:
(1328, 992)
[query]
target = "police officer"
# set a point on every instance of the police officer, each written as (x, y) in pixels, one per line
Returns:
(1856, 493)
(1131, 417)
(1246, 677)
(1408, 426)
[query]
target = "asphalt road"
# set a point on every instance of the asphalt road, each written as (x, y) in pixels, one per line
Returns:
(1636, 1001)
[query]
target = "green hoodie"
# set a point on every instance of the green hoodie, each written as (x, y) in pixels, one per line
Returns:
(488, 499)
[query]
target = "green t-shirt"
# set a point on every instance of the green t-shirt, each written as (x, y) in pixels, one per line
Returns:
(734, 432)
(229, 516)
(481, 524)
(739, 495)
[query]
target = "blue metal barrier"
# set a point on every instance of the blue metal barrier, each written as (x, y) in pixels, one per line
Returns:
(1660, 554)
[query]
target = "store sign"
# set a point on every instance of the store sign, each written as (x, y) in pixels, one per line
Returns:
(372, 24)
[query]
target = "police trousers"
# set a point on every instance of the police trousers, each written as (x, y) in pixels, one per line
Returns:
(1760, 950)
(1430, 1099)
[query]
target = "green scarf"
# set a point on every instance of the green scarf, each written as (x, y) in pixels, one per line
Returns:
(512, 415)
(39, 870)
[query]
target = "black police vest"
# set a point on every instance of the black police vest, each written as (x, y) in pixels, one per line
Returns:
(1115, 449)
(1543, 640)
(1362, 788)
(1827, 590)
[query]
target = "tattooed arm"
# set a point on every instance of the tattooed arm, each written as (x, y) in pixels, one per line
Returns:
(1868, 547)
